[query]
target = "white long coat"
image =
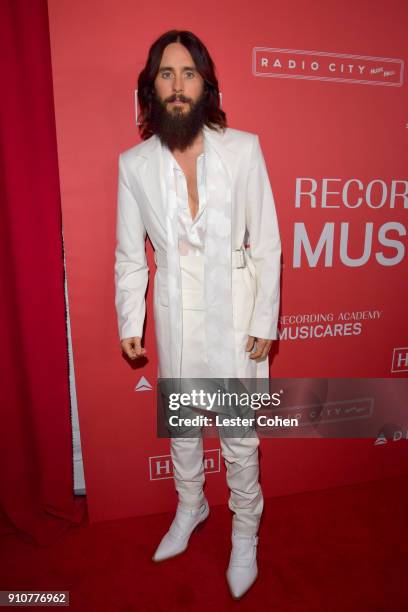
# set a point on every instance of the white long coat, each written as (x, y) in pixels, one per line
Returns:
(240, 208)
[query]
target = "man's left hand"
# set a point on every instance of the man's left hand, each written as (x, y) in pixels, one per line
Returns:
(262, 347)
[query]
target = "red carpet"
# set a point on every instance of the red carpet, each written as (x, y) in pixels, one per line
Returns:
(334, 550)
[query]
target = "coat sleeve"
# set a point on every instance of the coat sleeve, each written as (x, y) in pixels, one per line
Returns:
(265, 247)
(131, 270)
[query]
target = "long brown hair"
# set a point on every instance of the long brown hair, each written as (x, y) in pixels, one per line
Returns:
(205, 66)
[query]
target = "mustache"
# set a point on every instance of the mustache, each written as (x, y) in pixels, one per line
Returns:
(179, 97)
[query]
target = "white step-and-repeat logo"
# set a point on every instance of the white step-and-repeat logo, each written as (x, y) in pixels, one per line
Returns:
(327, 66)
(161, 466)
(400, 359)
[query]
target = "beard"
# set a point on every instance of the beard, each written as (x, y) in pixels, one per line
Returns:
(178, 128)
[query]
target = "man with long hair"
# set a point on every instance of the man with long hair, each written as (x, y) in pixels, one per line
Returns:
(200, 191)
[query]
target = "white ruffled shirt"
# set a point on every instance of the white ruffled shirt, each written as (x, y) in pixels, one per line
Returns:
(191, 233)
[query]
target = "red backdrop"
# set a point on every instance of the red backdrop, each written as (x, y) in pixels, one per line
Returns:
(324, 88)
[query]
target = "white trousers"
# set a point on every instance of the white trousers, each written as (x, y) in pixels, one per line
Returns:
(240, 454)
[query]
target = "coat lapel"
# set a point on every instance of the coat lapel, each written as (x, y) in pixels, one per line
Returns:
(217, 141)
(151, 168)
(151, 176)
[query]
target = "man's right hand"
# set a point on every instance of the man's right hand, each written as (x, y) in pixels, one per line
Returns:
(133, 347)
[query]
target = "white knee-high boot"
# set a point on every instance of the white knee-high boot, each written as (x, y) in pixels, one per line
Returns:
(246, 501)
(193, 508)
(187, 455)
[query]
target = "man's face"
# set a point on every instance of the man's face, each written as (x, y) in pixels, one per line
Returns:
(178, 84)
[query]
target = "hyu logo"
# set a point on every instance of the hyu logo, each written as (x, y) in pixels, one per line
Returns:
(161, 466)
(400, 359)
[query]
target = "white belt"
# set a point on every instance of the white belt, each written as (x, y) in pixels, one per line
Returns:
(238, 258)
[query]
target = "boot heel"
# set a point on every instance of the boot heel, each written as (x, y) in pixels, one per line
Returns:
(175, 541)
(200, 525)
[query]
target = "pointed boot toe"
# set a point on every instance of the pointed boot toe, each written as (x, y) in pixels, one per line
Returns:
(243, 569)
(175, 541)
